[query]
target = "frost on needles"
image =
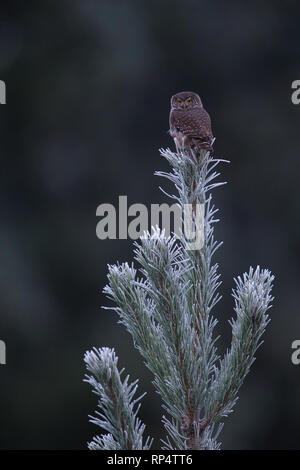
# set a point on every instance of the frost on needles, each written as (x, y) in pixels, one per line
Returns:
(166, 304)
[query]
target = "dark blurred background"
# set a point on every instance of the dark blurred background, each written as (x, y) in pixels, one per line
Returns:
(88, 89)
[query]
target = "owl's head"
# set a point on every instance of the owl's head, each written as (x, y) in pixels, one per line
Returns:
(186, 100)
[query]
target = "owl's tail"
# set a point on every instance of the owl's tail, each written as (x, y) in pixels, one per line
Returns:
(207, 145)
(199, 144)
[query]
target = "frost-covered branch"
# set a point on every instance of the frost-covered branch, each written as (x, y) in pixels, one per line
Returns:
(117, 405)
(252, 301)
(166, 303)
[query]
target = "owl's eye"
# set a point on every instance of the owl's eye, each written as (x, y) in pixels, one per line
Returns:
(188, 101)
(180, 102)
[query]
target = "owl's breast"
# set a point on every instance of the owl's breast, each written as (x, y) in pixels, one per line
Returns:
(176, 118)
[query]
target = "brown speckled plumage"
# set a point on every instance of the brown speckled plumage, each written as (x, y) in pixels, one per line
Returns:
(190, 124)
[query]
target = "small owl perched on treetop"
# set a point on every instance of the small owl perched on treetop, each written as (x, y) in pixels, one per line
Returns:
(190, 124)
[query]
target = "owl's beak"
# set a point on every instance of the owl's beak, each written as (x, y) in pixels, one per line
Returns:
(184, 105)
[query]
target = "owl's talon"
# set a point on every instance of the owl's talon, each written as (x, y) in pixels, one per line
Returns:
(194, 156)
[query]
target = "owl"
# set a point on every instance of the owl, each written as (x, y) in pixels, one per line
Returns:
(190, 124)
